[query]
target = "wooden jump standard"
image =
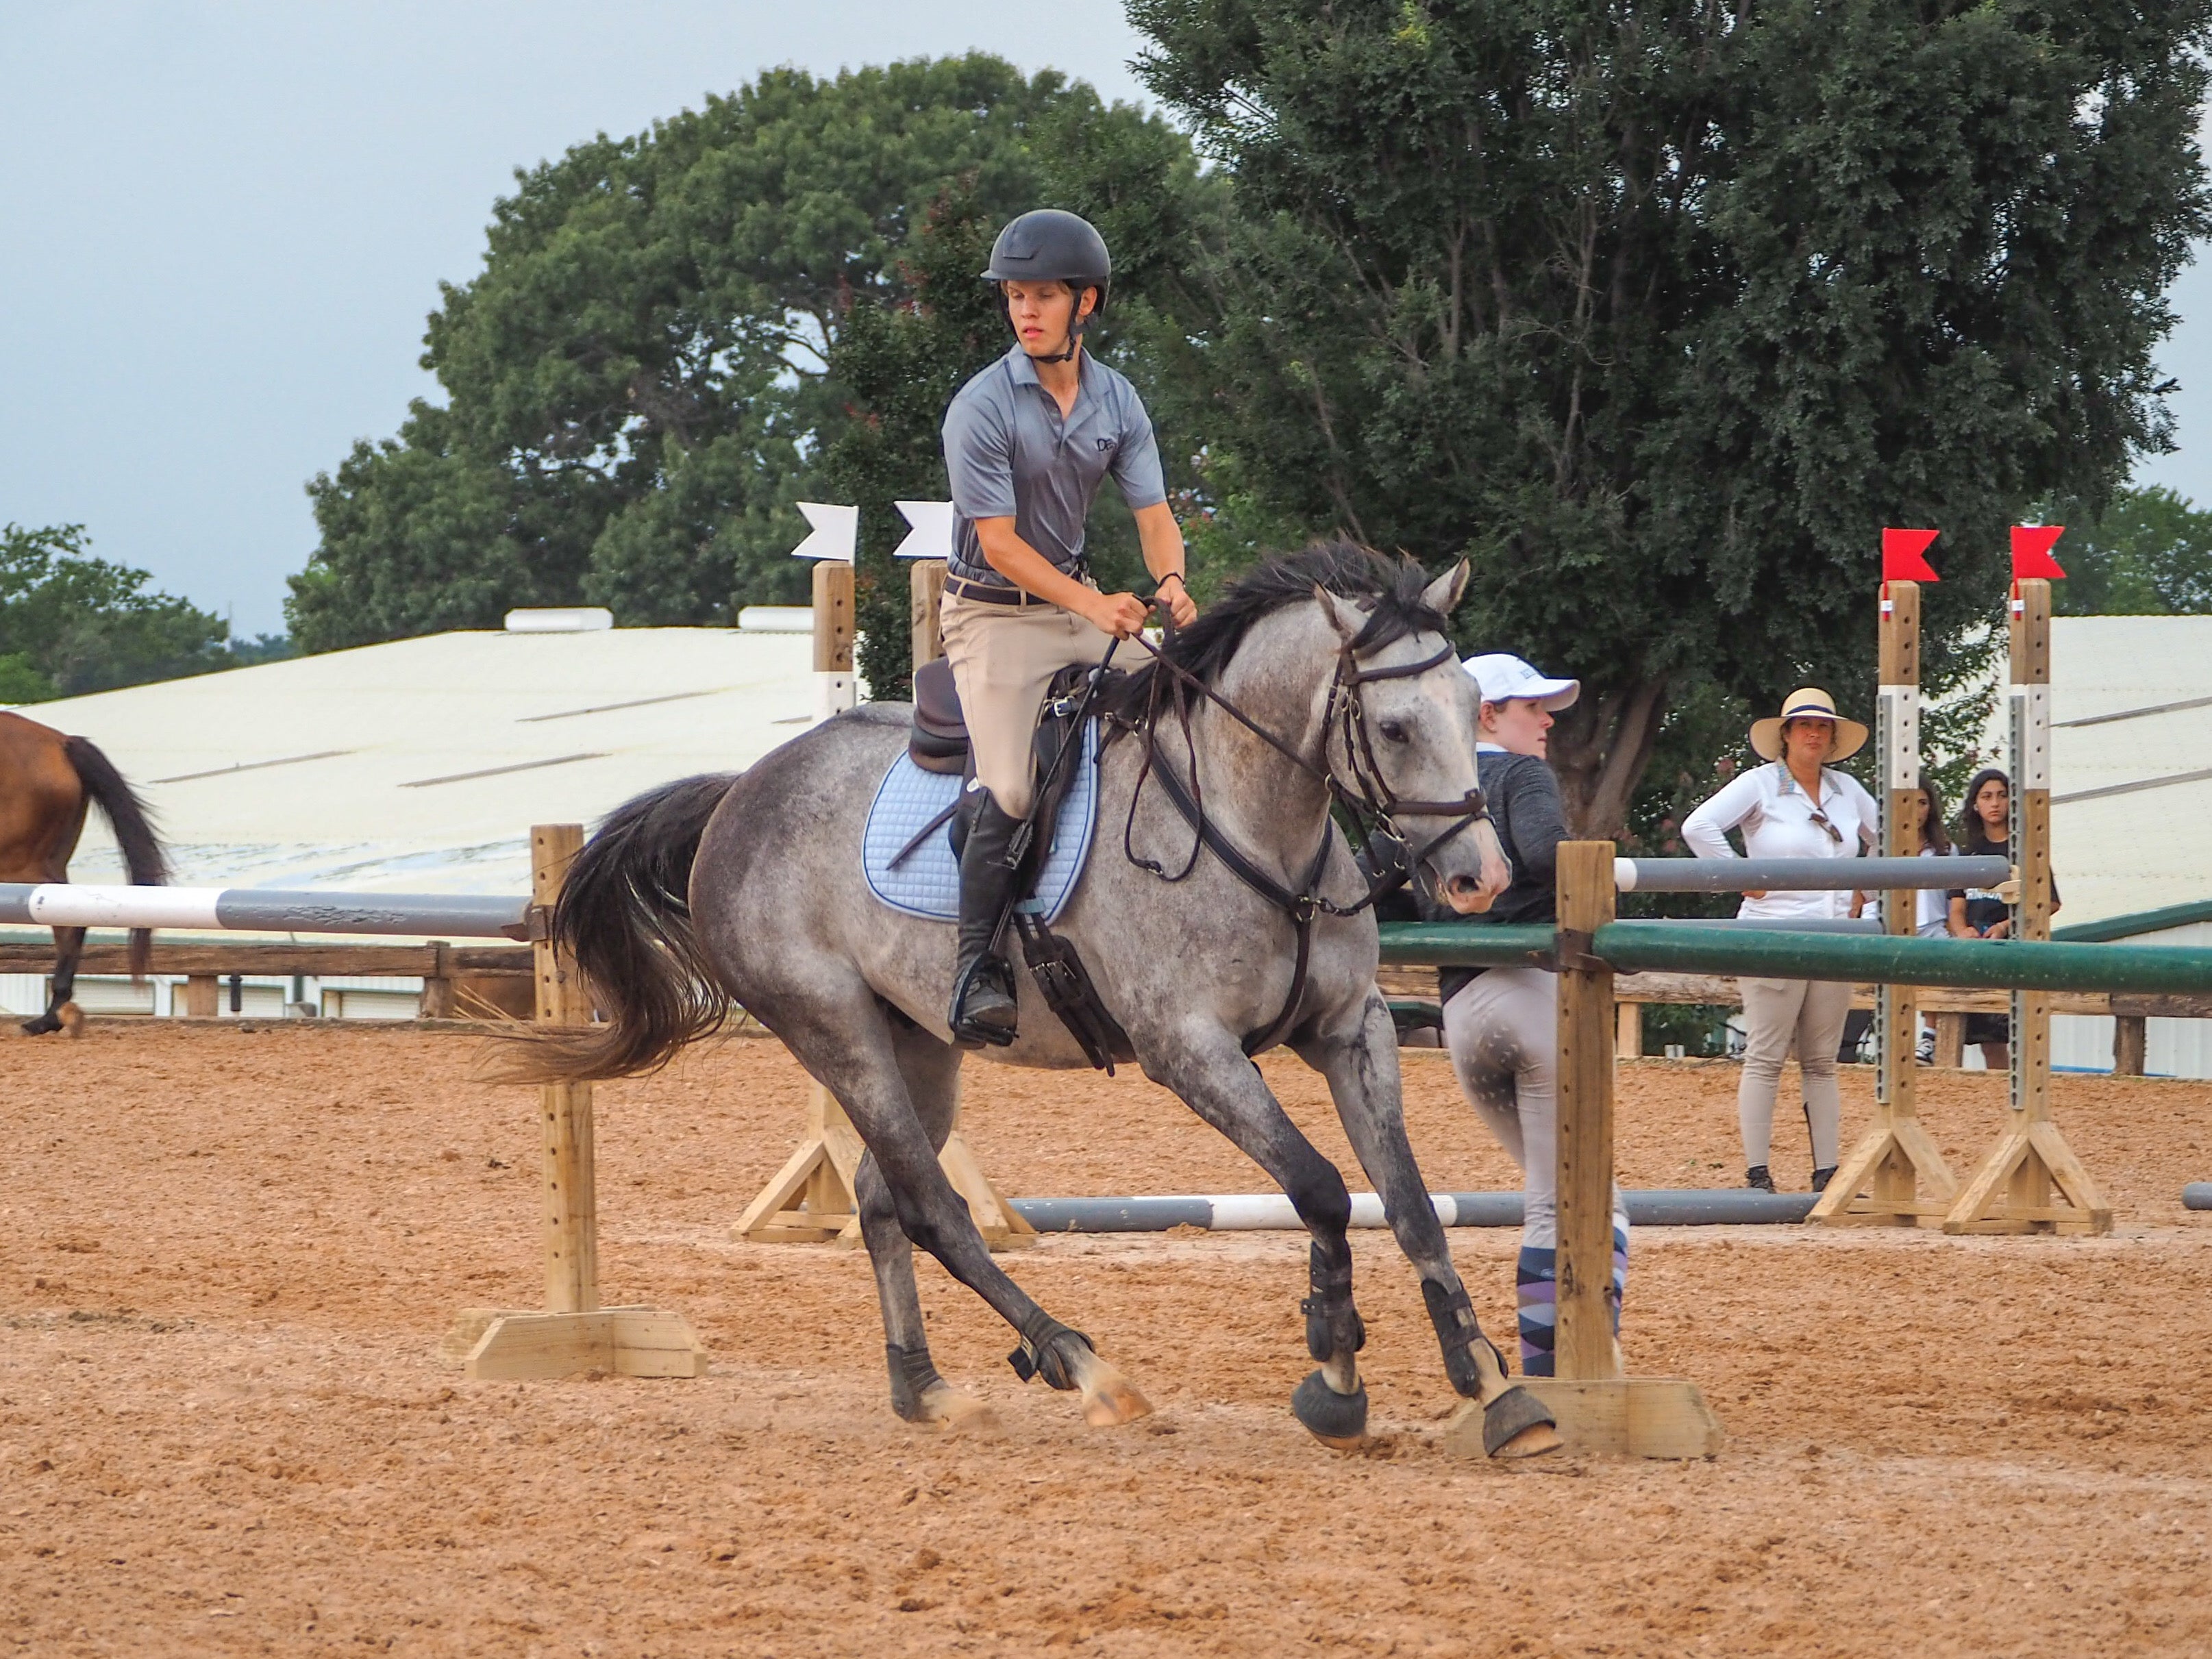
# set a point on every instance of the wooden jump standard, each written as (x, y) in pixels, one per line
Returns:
(574, 1333)
(810, 1201)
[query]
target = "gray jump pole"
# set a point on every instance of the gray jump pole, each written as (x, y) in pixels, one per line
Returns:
(2198, 1195)
(1804, 875)
(1272, 1212)
(254, 909)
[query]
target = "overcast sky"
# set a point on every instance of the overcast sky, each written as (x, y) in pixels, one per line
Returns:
(222, 227)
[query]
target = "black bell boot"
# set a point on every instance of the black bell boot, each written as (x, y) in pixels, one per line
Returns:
(1822, 1178)
(1757, 1180)
(983, 1006)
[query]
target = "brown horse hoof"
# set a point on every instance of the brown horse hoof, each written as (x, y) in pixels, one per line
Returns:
(1516, 1425)
(1110, 1399)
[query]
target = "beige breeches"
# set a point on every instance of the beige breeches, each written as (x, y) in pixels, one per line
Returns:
(1003, 656)
(1778, 1015)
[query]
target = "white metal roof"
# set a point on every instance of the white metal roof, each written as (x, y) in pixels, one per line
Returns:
(420, 765)
(2132, 797)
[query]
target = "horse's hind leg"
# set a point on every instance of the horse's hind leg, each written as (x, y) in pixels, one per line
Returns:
(1361, 1067)
(1211, 1075)
(848, 1043)
(931, 1071)
(61, 1010)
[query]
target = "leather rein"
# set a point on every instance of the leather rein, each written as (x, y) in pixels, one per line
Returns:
(1369, 801)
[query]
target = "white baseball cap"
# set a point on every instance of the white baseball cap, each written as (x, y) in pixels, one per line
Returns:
(1503, 677)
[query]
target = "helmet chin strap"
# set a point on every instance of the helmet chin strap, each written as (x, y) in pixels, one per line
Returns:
(1076, 324)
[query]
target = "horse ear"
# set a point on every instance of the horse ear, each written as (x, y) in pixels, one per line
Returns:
(1444, 594)
(1346, 617)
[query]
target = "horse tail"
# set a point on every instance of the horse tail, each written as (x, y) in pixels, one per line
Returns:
(624, 919)
(126, 815)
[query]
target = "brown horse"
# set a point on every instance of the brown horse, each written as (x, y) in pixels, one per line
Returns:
(47, 781)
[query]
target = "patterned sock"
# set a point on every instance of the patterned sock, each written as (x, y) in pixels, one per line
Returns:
(1537, 1289)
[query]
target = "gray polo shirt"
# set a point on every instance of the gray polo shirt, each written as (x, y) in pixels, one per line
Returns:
(1009, 454)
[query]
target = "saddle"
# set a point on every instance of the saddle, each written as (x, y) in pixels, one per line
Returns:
(937, 742)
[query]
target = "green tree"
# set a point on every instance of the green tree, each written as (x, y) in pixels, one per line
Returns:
(637, 385)
(1659, 311)
(2147, 554)
(70, 622)
(898, 359)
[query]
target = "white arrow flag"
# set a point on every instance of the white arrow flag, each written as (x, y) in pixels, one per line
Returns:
(835, 532)
(931, 535)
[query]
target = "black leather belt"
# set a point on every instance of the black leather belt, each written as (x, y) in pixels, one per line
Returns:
(983, 593)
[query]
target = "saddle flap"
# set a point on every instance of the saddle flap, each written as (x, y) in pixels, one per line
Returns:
(938, 738)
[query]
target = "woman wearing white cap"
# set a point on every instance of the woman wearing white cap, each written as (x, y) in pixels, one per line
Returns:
(1796, 808)
(1502, 1023)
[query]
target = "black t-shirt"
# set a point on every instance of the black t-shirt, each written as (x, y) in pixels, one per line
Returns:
(1524, 797)
(1984, 909)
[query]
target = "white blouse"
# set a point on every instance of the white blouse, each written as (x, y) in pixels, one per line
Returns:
(1776, 816)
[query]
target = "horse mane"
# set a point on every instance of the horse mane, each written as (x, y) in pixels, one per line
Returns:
(1392, 586)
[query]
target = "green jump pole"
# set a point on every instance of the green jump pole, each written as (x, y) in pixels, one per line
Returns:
(1858, 958)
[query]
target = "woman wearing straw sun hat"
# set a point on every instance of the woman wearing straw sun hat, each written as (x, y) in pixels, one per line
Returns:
(1796, 807)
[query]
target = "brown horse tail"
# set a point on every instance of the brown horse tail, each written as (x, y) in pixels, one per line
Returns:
(126, 815)
(625, 919)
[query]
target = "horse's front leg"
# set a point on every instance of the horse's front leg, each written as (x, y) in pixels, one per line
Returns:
(1205, 1066)
(1358, 1056)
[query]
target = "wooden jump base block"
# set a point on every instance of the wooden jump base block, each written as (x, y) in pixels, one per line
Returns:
(811, 1200)
(1597, 1408)
(574, 1333)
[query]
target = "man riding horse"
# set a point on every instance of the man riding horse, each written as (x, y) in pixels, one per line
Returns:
(1027, 443)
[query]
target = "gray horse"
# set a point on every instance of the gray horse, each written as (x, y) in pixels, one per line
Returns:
(716, 891)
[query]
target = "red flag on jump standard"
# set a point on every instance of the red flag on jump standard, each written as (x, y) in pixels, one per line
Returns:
(2031, 550)
(1901, 555)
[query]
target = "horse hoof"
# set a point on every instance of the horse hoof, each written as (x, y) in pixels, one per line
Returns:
(1338, 1421)
(1516, 1425)
(1110, 1399)
(949, 1411)
(41, 1025)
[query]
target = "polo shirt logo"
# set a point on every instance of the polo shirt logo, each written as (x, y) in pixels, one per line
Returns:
(1105, 444)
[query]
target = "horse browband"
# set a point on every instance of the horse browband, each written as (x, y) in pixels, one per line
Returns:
(1374, 806)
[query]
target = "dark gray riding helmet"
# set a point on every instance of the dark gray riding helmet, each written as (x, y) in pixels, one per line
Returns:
(1052, 245)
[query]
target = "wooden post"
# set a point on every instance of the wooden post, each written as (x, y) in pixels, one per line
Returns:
(2130, 1041)
(574, 1333)
(1584, 1344)
(1598, 1409)
(927, 585)
(1950, 1040)
(201, 995)
(834, 687)
(1628, 1031)
(2012, 1191)
(1880, 1183)
(811, 1201)
(437, 985)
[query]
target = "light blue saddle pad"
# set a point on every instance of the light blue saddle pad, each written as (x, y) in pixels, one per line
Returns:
(926, 881)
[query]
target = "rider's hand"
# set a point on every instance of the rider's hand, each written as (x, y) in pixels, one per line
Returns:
(1176, 594)
(1122, 614)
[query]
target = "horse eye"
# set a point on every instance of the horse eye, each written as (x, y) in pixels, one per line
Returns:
(1394, 731)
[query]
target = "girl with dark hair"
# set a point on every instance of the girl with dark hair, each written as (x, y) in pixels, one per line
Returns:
(1986, 830)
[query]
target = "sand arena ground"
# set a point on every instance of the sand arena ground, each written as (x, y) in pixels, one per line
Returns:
(227, 1257)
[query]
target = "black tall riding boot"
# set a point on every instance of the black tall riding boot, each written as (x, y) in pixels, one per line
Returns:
(983, 1007)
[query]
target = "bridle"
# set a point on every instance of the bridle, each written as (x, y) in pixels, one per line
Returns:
(1367, 800)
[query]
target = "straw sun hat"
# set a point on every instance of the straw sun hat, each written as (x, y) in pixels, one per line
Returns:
(1807, 703)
